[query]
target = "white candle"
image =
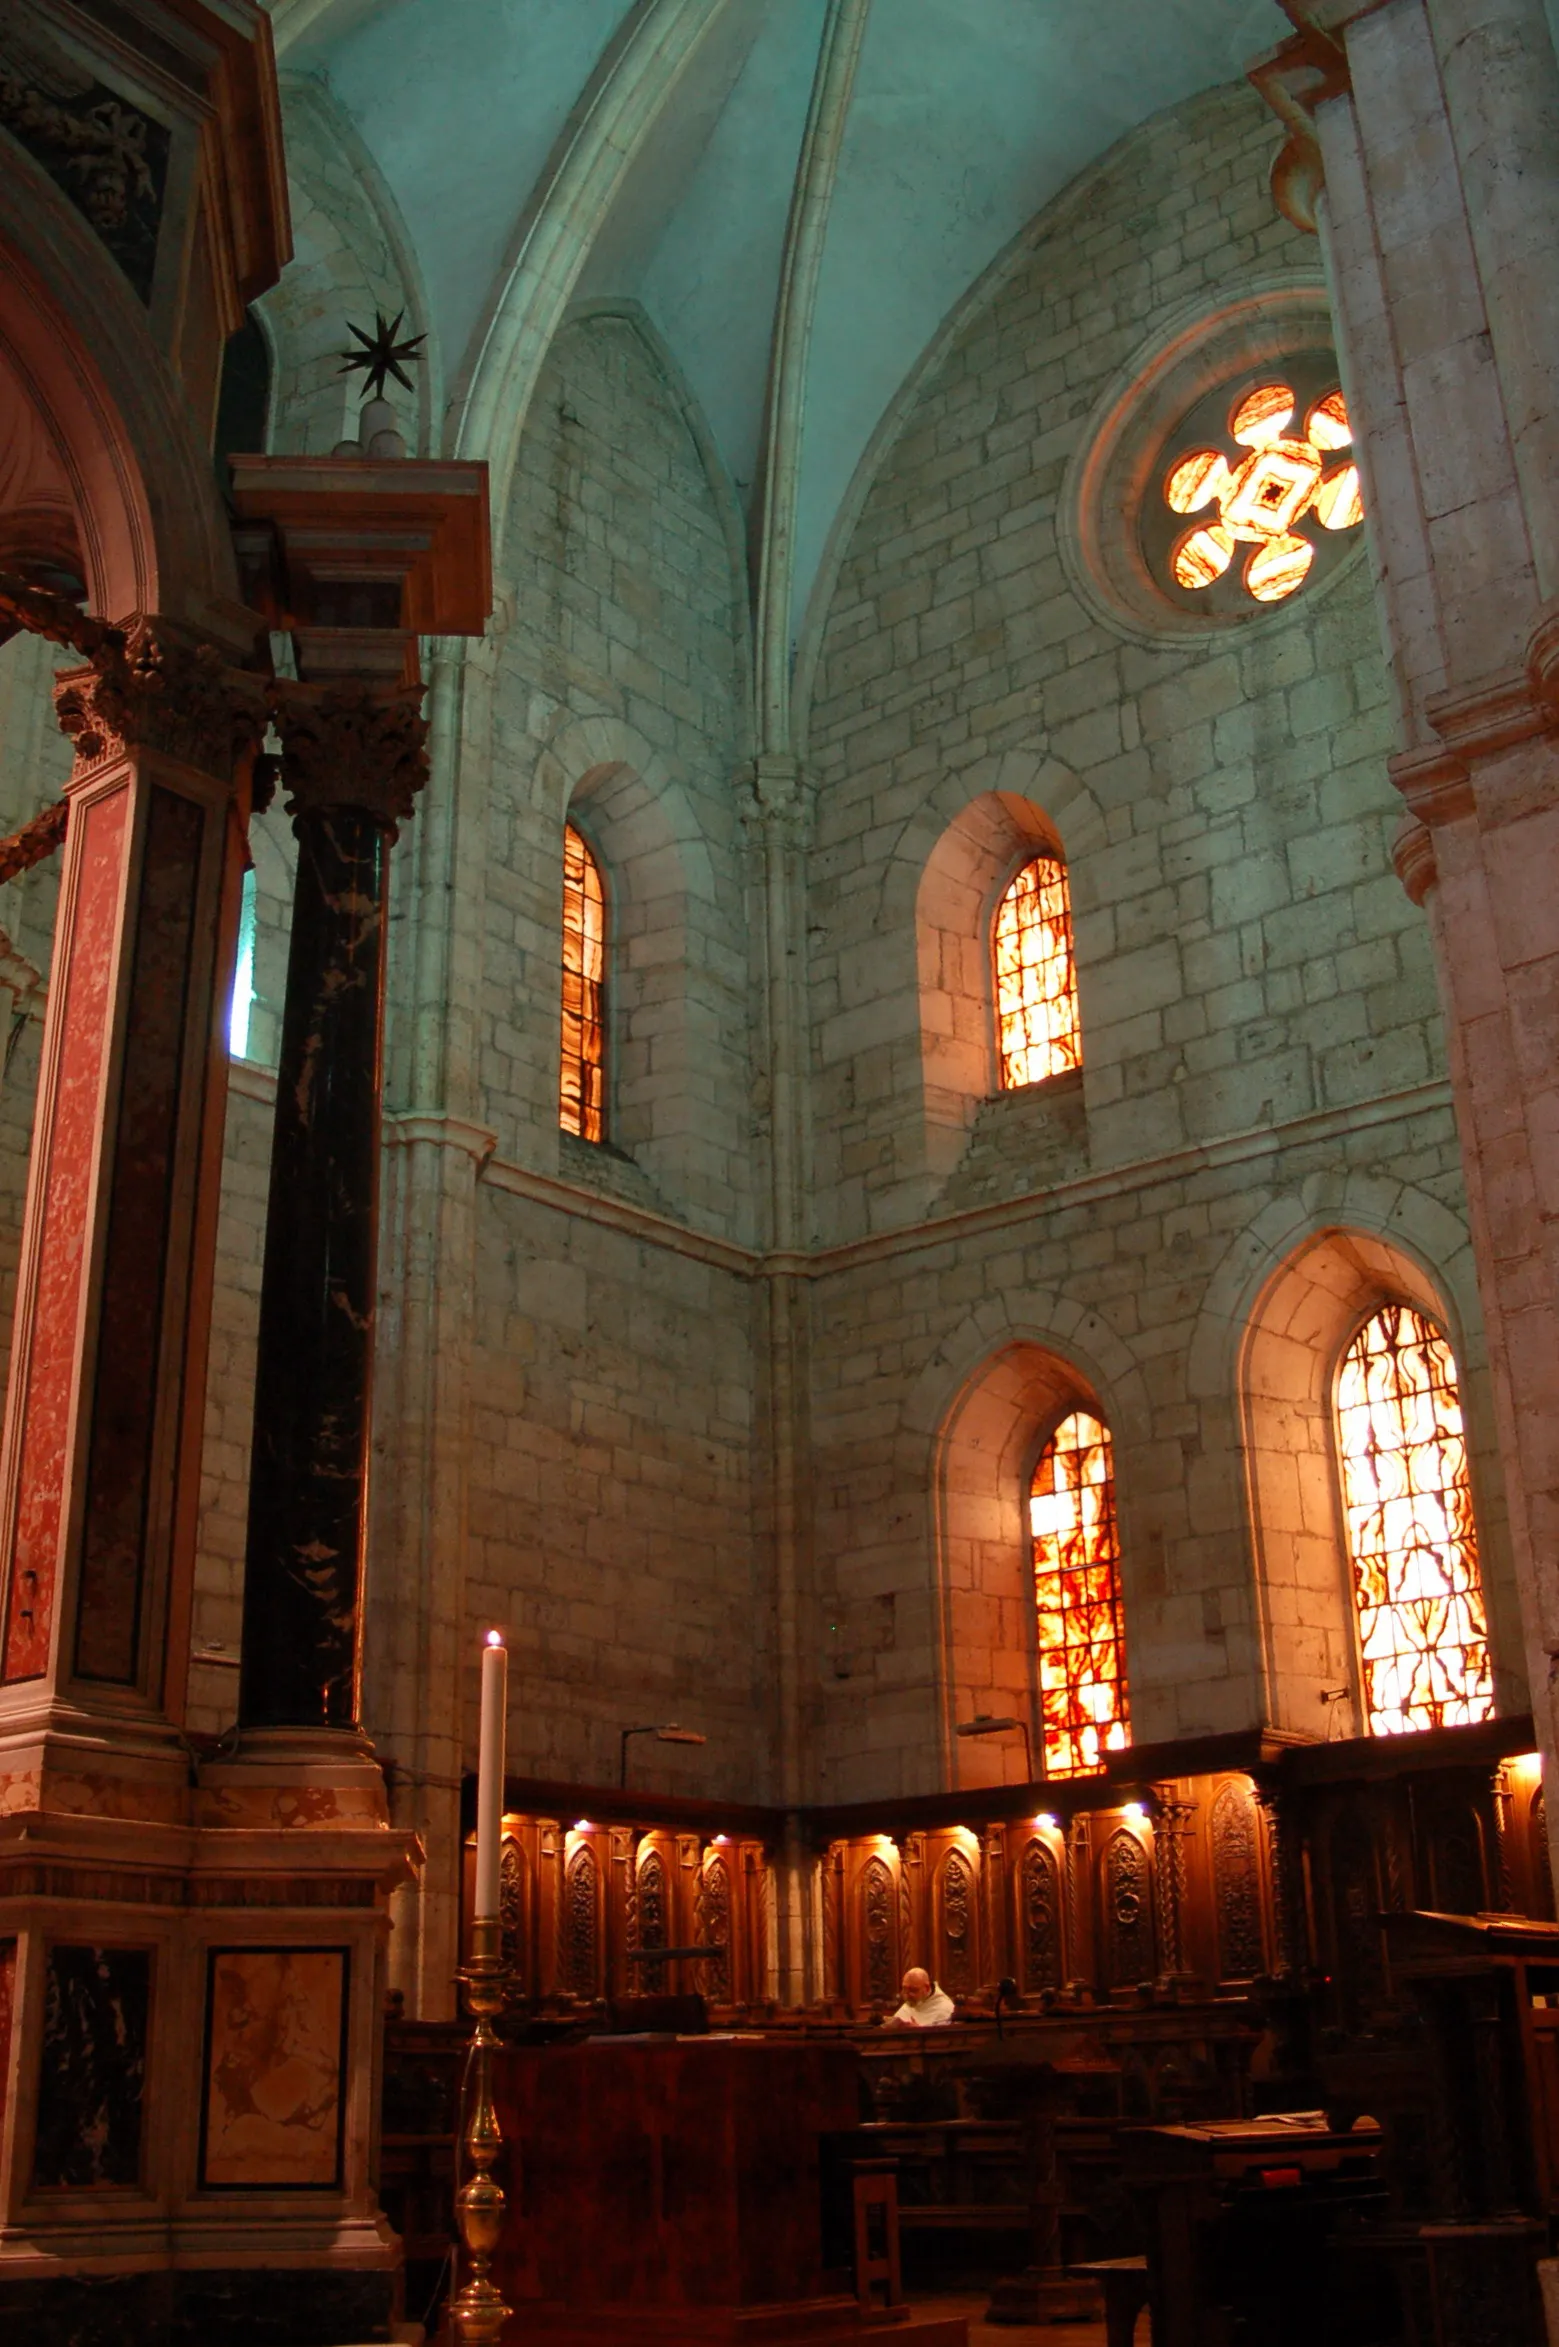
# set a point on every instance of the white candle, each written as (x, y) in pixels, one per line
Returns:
(489, 1775)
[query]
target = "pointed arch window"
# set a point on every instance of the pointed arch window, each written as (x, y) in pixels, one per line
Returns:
(582, 1077)
(1037, 1028)
(1077, 1596)
(1412, 1544)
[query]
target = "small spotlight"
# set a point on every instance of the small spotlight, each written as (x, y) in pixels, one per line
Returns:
(1048, 1822)
(581, 1825)
(1136, 1812)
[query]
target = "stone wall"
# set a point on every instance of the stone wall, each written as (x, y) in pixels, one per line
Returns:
(1262, 1045)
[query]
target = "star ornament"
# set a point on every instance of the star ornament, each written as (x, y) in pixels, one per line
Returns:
(1277, 481)
(381, 354)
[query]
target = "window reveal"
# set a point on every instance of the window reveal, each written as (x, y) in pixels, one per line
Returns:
(1077, 1594)
(1036, 983)
(581, 1085)
(1412, 1544)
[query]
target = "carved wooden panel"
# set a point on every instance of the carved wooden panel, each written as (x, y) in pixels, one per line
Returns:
(712, 1928)
(956, 1957)
(1127, 1915)
(579, 1933)
(1039, 1890)
(877, 1931)
(653, 1921)
(1458, 1872)
(1355, 1909)
(1237, 1885)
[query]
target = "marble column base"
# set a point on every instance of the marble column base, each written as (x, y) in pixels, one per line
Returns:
(189, 2056)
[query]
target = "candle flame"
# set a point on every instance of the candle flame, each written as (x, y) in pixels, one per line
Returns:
(495, 1637)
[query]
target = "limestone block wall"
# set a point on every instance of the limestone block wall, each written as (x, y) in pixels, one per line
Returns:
(611, 1499)
(621, 703)
(612, 1378)
(1261, 1037)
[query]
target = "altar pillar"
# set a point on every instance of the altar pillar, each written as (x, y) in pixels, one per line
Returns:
(1422, 147)
(353, 760)
(100, 1472)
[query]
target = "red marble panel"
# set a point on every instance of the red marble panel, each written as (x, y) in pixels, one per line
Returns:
(86, 952)
(275, 2066)
(7, 2014)
(141, 1228)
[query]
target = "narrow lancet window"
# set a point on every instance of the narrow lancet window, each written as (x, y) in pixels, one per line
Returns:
(1412, 1544)
(1077, 1593)
(1036, 984)
(582, 1080)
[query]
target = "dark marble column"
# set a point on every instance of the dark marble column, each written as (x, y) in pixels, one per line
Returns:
(352, 764)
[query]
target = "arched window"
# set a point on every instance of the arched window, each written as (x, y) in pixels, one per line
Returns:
(1036, 984)
(1412, 1544)
(1077, 1594)
(582, 1077)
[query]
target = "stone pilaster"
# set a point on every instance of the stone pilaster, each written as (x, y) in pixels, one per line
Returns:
(1433, 125)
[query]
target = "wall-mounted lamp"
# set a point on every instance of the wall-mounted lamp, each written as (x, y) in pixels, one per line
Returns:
(668, 1733)
(1136, 1812)
(985, 1723)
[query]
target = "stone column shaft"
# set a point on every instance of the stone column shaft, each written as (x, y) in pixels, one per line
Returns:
(353, 761)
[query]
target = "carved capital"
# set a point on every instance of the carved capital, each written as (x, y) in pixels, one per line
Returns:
(773, 796)
(150, 685)
(352, 744)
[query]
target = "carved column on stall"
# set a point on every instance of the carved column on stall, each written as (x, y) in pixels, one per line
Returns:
(1171, 1826)
(1285, 1872)
(1422, 142)
(996, 1901)
(1082, 1939)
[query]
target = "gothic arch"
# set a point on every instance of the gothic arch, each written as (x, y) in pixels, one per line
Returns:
(675, 1006)
(1003, 1382)
(1296, 1325)
(147, 520)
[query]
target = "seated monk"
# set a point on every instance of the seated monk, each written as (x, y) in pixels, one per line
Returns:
(925, 2005)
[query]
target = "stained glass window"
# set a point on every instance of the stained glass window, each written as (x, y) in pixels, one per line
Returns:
(1077, 1591)
(1280, 476)
(1412, 1544)
(581, 1085)
(1036, 984)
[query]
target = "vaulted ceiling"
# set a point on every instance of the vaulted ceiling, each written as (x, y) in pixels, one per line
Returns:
(960, 119)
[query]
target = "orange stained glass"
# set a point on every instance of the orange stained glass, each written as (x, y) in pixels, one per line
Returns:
(1418, 1591)
(1036, 983)
(1077, 1594)
(582, 1080)
(1265, 493)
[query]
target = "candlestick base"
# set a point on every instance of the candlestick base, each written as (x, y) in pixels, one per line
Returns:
(477, 2314)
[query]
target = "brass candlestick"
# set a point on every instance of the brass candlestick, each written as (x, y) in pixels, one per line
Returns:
(478, 2314)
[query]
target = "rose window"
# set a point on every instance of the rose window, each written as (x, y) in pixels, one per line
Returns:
(1282, 480)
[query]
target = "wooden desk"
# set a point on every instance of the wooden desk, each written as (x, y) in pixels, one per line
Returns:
(669, 2191)
(1239, 2215)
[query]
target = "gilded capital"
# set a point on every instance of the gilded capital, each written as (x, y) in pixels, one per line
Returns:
(352, 744)
(151, 685)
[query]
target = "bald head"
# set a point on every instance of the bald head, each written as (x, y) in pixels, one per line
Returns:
(916, 1985)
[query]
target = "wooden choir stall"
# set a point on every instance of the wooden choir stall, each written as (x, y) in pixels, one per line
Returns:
(1228, 2015)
